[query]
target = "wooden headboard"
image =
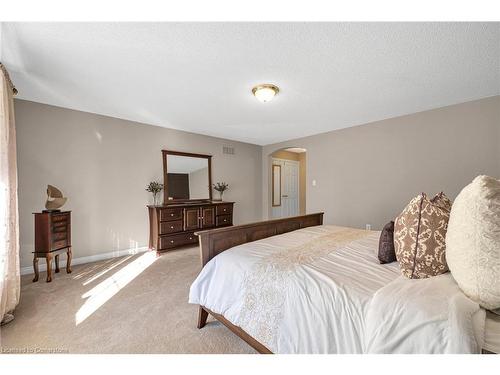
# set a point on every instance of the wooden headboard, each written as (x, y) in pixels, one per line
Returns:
(215, 241)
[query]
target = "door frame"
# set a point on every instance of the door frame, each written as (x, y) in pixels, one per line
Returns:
(297, 163)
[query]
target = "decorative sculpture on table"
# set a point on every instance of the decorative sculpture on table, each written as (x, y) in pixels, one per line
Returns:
(55, 199)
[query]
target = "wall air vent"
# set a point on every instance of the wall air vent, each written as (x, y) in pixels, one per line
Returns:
(228, 150)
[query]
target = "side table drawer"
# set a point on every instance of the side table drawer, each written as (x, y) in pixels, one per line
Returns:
(57, 218)
(59, 227)
(59, 244)
(58, 236)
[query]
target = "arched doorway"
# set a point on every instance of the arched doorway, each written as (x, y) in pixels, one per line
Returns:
(287, 183)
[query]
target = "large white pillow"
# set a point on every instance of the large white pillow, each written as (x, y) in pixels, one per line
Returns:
(473, 241)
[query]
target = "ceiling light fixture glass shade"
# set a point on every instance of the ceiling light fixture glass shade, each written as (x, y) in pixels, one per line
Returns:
(266, 92)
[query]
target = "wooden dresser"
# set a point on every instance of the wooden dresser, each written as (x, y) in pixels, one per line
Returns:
(173, 225)
(52, 237)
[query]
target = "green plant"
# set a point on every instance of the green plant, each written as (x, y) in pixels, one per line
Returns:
(221, 187)
(154, 187)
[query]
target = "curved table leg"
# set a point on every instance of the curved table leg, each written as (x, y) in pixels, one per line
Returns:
(35, 267)
(49, 267)
(57, 263)
(68, 261)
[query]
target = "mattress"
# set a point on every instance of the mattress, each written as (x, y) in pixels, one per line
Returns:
(309, 291)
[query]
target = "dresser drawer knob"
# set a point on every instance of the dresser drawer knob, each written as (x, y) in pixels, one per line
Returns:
(190, 238)
(171, 227)
(171, 241)
(224, 210)
(171, 214)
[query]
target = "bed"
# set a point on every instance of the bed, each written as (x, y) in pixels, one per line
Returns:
(296, 286)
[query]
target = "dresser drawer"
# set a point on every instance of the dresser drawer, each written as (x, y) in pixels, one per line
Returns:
(223, 220)
(167, 227)
(170, 214)
(224, 209)
(168, 242)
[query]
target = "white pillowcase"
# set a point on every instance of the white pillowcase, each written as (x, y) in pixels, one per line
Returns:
(473, 241)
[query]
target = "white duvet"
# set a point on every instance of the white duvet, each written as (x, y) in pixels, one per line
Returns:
(322, 290)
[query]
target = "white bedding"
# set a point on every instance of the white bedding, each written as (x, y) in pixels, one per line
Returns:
(424, 316)
(311, 291)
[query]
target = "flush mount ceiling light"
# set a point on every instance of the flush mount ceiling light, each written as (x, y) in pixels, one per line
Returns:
(265, 92)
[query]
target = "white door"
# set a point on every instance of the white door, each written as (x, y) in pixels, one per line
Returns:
(288, 205)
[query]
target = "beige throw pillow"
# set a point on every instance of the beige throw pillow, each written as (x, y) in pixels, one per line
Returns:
(473, 241)
(419, 236)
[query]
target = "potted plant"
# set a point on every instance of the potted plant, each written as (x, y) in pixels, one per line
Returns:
(155, 188)
(221, 187)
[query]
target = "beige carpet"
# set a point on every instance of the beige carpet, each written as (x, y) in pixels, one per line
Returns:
(134, 304)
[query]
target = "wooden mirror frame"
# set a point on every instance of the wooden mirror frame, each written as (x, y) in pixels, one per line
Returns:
(189, 154)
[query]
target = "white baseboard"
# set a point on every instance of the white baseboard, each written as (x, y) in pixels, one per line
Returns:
(42, 266)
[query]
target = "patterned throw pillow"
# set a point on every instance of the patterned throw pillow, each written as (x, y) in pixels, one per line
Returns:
(442, 201)
(386, 253)
(419, 236)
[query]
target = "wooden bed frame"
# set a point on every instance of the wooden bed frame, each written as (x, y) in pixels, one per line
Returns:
(215, 241)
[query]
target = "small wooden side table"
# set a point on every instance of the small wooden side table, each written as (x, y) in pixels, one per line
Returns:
(52, 237)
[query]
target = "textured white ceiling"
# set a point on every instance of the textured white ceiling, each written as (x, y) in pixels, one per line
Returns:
(198, 76)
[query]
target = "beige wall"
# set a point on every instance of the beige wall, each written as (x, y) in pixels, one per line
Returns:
(103, 165)
(367, 174)
(301, 158)
(364, 174)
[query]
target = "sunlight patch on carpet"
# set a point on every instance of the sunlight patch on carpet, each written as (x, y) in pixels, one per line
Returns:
(105, 290)
(106, 270)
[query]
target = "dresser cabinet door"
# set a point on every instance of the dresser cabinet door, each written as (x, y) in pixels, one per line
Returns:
(207, 217)
(191, 218)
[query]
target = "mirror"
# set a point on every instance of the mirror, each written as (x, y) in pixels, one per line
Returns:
(276, 185)
(186, 176)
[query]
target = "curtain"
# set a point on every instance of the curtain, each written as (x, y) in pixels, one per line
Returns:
(10, 281)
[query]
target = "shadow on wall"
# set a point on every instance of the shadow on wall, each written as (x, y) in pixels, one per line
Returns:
(287, 182)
